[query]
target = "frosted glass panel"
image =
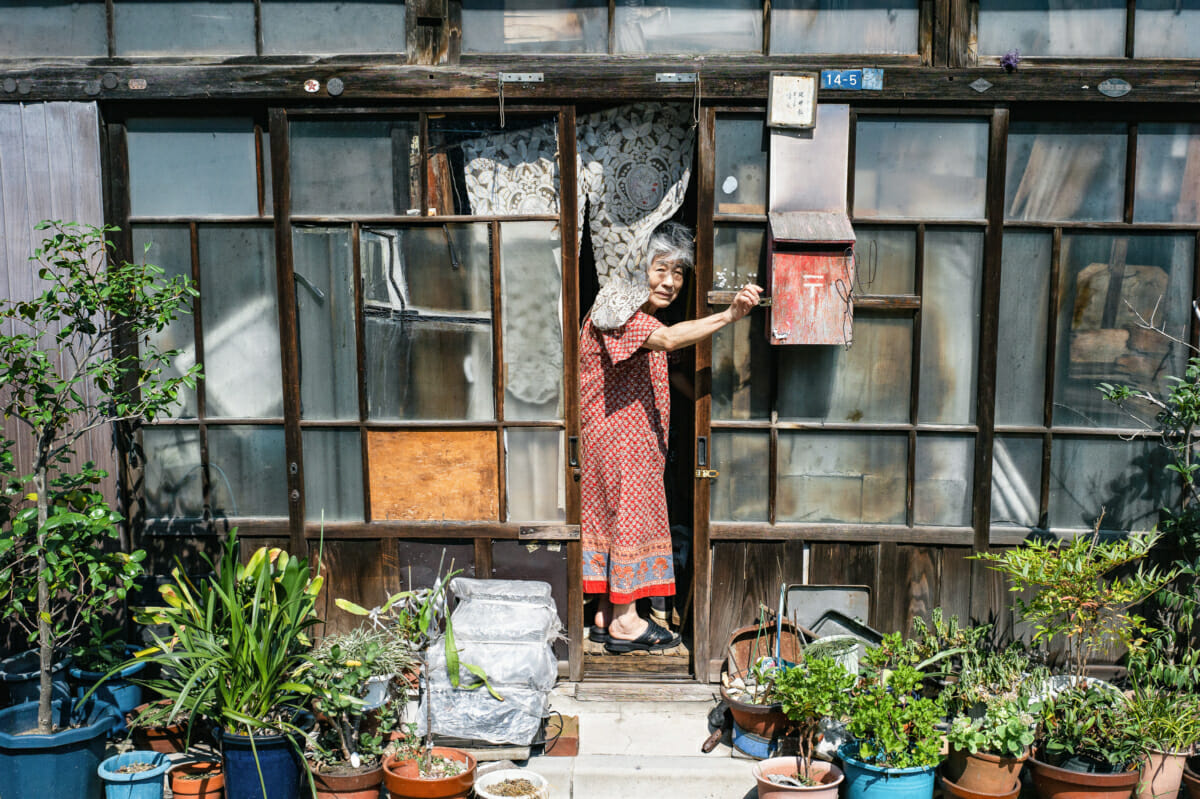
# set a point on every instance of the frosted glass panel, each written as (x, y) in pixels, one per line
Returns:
(842, 477)
(1167, 29)
(901, 168)
(739, 256)
(174, 484)
(688, 26)
(1168, 173)
(944, 473)
(1124, 479)
(427, 302)
(1053, 27)
(740, 353)
(950, 326)
(1016, 480)
(192, 167)
(242, 372)
(326, 27)
(1108, 282)
(333, 465)
(843, 26)
(171, 250)
(324, 287)
(247, 470)
(536, 482)
(535, 26)
(184, 27)
(741, 169)
(885, 260)
(870, 382)
(360, 167)
(53, 27)
(531, 285)
(1069, 171)
(1024, 315)
(740, 493)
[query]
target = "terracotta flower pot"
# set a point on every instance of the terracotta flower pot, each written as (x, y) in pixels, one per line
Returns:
(363, 785)
(202, 780)
(765, 721)
(168, 738)
(1191, 778)
(1161, 775)
(403, 780)
(957, 791)
(1053, 782)
(828, 776)
(984, 772)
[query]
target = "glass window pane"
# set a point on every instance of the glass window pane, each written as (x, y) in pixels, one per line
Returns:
(885, 260)
(688, 26)
(950, 326)
(240, 322)
(174, 484)
(171, 250)
(427, 302)
(1024, 315)
(333, 471)
(331, 27)
(192, 167)
(944, 472)
(740, 353)
(1064, 28)
(1168, 171)
(193, 27)
(869, 382)
(477, 167)
(535, 26)
(843, 26)
(740, 494)
(842, 477)
(53, 27)
(360, 167)
(1068, 171)
(1167, 29)
(1126, 480)
(1016, 480)
(741, 168)
(247, 470)
(531, 284)
(324, 286)
(536, 483)
(1109, 285)
(901, 169)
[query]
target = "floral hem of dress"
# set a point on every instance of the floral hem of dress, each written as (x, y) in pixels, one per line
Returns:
(655, 589)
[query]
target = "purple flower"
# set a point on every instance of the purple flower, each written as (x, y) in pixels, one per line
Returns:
(1010, 60)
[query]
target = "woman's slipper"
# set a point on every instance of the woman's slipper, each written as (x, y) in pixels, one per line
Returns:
(598, 635)
(654, 639)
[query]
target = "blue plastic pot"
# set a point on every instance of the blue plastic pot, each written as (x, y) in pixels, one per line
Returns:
(116, 690)
(61, 765)
(866, 781)
(22, 677)
(277, 760)
(138, 785)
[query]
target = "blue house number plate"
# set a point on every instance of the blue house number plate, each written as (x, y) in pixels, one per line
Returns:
(852, 79)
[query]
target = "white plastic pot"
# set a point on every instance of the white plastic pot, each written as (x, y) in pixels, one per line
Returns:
(484, 783)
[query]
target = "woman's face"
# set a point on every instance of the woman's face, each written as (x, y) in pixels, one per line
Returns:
(666, 279)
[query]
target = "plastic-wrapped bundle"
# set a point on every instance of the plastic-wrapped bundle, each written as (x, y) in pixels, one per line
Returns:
(529, 591)
(476, 716)
(505, 620)
(522, 664)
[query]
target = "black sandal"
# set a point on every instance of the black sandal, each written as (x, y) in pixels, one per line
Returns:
(654, 639)
(598, 635)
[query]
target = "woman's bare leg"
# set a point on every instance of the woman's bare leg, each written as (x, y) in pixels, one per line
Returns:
(626, 624)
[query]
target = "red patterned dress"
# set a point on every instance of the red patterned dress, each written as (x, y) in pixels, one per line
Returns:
(625, 404)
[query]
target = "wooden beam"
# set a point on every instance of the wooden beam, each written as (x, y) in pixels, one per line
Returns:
(742, 80)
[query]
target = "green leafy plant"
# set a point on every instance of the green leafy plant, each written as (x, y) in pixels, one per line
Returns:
(812, 690)
(1091, 722)
(892, 723)
(1006, 728)
(1165, 719)
(75, 358)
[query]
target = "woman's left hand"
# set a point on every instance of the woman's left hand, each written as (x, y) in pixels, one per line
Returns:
(745, 300)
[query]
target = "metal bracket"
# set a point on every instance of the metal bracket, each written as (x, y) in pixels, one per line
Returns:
(675, 77)
(520, 77)
(707, 474)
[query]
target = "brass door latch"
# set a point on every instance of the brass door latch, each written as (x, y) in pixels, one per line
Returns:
(707, 474)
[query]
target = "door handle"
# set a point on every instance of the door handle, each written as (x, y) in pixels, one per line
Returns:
(707, 474)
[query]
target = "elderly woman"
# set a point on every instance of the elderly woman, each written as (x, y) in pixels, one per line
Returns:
(625, 409)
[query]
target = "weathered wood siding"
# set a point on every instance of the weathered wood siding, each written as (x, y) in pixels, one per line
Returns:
(49, 169)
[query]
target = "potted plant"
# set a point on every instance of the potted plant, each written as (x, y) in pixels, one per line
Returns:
(987, 752)
(196, 779)
(812, 690)
(1086, 743)
(1169, 724)
(75, 358)
(92, 663)
(159, 727)
(354, 709)
(134, 775)
(237, 649)
(896, 746)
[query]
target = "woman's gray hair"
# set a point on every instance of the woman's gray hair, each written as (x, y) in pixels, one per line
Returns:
(674, 242)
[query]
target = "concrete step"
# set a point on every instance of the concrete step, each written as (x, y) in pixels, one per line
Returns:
(661, 777)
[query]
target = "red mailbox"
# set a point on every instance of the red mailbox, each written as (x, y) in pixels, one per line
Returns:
(809, 276)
